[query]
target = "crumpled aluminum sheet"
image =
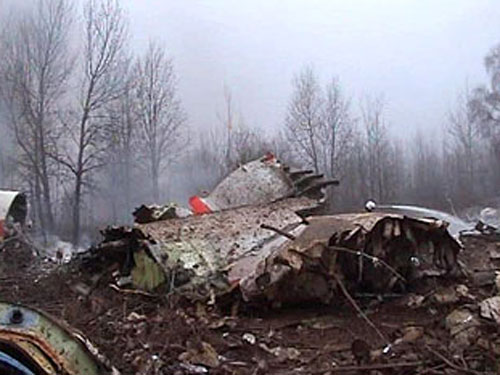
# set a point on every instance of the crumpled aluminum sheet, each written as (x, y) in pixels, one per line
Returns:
(303, 269)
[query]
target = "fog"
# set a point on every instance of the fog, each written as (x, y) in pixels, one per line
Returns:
(367, 92)
(418, 54)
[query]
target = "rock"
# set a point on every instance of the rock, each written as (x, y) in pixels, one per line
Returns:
(490, 308)
(445, 296)
(284, 354)
(463, 292)
(415, 301)
(494, 254)
(135, 317)
(81, 289)
(192, 369)
(463, 326)
(410, 335)
(205, 355)
(248, 337)
(124, 281)
(497, 282)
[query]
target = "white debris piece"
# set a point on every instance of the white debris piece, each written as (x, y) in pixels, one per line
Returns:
(248, 337)
(497, 282)
(490, 308)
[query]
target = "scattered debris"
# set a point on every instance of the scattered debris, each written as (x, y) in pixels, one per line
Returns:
(148, 214)
(415, 301)
(282, 354)
(463, 327)
(456, 225)
(371, 252)
(410, 335)
(203, 354)
(193, 369)
(195, 253)
(446, 296)
(490, 308)
(249, 338)
(13, 212)
(249, 283)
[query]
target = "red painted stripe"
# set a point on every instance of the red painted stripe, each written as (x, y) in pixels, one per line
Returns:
(198, 206)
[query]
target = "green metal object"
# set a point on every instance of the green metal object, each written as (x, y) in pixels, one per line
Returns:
(45, 345)
(147, 274)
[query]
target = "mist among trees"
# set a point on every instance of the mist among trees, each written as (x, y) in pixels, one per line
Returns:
(91, 129)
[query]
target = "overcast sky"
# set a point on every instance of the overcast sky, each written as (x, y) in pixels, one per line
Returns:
(418, 53)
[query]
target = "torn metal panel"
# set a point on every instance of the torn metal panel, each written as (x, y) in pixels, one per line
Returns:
(258, 182)
(147, 273)
(189, 250)
(211, 254)
(413, 247)
(370, 251)
(147, 214)
(195, 248)
(485, 225)
(456, 225)
(44, 346)
(13, 211)
(226, 235)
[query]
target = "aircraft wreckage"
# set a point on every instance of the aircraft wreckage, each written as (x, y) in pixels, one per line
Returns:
(258, 237)
(254, 234)
(13, 212)
(31, 342)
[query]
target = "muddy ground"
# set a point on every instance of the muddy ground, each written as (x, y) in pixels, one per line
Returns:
(144, 333)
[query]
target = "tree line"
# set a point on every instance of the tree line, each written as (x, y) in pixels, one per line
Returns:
(453, 167)
(83, 110)
(90, 129)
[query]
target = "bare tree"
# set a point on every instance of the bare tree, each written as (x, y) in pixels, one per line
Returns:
(376, 145)
(35, 69)
(465, 134)
(101, 83)
(233, 142)
(337, 127)
(121, 139)
(160, 114)
(484, 104)
(227, 121)
(428, 185)
(303, 119)
(335, 136)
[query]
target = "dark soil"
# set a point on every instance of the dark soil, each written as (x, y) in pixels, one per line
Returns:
(148, 334)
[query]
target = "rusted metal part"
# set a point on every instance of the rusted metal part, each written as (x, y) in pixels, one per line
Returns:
(46, 346)
(13, 212)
